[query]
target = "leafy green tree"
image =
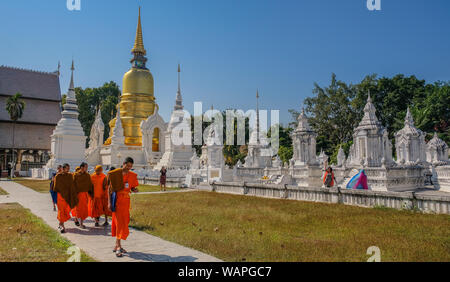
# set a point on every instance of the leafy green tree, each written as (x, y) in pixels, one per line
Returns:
(330, 113)
(89, 100)
(285, 150)
(232, 153)
(15, 107)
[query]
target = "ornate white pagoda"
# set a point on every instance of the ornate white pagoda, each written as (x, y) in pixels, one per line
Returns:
(304, 143)
(437, 151)
(410, 143)
(371, 146)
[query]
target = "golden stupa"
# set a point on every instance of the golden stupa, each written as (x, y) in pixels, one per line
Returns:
(137, 102)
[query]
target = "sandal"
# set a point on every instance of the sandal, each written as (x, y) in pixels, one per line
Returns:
(106, 223)
(97, 224)
(77, 223)
(119, 254)
(62, 229)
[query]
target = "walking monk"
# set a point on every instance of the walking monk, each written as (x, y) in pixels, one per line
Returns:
(83, 187)
(97, 204)
(121, 182)
(67, 198)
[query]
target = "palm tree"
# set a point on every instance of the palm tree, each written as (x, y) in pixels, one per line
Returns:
(15, 107)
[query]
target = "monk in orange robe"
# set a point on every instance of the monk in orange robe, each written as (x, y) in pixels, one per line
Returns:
(96, 206)
(83, 187)
(122, 181)
(67, 199)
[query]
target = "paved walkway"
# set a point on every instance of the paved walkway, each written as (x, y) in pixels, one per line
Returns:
(97, 241)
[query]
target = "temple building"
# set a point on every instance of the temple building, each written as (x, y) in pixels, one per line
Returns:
(42, 94)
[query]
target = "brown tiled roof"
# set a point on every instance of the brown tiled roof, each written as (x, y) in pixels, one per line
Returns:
(31, 84)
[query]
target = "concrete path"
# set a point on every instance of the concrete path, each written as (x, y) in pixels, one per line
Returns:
(97, 241)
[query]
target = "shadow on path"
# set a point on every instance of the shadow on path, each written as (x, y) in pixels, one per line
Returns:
(159, 258)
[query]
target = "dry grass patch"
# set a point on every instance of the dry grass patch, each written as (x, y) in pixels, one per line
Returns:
(42, 186)
(3, 192)
(244, 228)
(26, 238)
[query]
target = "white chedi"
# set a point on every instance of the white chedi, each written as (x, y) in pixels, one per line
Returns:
(259, 151)
(95, 140)
(68, 140)
(177, 138)
(371, 146)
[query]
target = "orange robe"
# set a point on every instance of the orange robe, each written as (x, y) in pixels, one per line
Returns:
(96, 204)
(332, 178)
(66, 195)
(121, 217)
(63, 209)
(105, 200)
(83, 186)
(81, 210)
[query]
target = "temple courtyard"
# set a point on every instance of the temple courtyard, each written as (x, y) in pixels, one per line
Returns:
(193, 225)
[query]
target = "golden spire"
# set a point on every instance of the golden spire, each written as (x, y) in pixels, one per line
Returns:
(139, 41)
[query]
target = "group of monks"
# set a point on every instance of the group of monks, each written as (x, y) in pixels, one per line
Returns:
(81, 195)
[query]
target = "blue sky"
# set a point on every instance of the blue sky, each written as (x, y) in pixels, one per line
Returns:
(228, 49)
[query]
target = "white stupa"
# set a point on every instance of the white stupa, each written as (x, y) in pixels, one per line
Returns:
(178, 148)
(68, 141)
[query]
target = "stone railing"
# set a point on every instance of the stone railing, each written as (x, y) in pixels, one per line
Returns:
(170, 181)
(362, 198)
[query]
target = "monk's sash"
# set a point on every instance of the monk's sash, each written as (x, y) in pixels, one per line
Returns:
(115, 178)
(82, 182)
(64, 185)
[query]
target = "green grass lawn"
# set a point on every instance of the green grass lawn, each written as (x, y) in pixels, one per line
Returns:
(42, 186)
(26, 238)
(153, 188)
(244, 228)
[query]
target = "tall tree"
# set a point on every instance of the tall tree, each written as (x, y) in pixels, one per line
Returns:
(391, 97)
(15, 107)
(331, 114)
